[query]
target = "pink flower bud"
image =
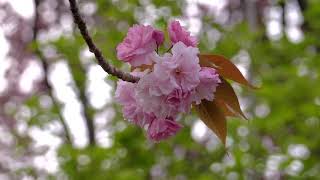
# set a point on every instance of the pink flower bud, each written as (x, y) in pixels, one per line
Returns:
(178, 33)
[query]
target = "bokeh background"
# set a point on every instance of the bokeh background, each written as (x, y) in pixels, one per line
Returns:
(58, 119)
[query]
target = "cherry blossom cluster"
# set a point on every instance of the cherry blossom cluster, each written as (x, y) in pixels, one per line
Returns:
(171, 84)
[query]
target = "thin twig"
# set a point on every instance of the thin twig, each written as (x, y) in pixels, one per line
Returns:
(45, 66)
(93, 48)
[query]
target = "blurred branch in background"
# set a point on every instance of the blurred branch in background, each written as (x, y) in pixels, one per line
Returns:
(45, 66)
(79, 76)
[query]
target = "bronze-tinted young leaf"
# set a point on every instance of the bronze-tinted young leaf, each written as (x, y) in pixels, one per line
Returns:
(142, 67)
(228, 100)
(227, 111)
(211, 114)
(224, 67)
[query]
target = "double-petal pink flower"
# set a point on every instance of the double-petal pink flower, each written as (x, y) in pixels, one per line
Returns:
(178, 33)
(170, 87)
(139, 44)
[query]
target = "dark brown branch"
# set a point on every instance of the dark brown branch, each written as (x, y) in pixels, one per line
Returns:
(45, 66)
(93, 48)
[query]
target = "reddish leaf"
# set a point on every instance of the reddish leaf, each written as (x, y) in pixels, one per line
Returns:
(211, 114)
(224, 67)
(142, 67)
(227, 111)
(227, 100)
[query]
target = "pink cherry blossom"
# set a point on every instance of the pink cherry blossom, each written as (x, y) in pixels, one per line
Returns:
(178, 33)
(181, 69)
(168, 90)
(179, 100)
(170, 87)
(140, 42)
(158, 36)
(159, 104)
(151, 98)
(209, 80)
(125, 96)
(162, 128)
(124, 93)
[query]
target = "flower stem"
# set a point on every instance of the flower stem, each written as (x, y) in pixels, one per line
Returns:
(169, 48)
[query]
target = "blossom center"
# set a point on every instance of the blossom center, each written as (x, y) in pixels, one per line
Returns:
(178, 71)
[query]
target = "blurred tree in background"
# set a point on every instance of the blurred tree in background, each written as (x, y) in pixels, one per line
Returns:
(58, 119)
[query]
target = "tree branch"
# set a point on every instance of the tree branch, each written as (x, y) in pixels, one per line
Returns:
(45, 66)
(93, 48)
